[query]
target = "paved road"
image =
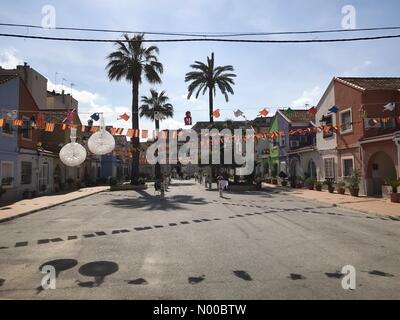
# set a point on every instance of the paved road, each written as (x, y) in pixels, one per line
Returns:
(194, 245)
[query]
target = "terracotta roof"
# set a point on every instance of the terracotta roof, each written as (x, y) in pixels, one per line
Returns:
(298, 115)
(373, 83)
(7, 77)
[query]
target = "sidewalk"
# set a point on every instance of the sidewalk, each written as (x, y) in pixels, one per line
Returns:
(370, 205)
(28, 206)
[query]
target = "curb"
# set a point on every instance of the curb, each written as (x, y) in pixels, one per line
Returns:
(281, 188)
(47, 207)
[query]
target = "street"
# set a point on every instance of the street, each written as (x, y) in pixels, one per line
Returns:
(195, 245)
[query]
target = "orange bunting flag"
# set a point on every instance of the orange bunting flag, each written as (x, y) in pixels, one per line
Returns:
(94, 129)
(145, 134)
(216, 113)
(264, 112)
(123, 117)
(41, 120)
(49, 127)
(64, 126)
(1, 123)
(83, 128)
(129, 133)
(18, 122)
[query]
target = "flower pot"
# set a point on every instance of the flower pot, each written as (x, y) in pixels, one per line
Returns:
(274, 181)
(331, 189)
(299, 185)
(354, 191)
(311, 187)
(318, 188)
(395, 197)
(341, 190)
(284, 183)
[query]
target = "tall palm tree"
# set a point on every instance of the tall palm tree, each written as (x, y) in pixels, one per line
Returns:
(156, 102)
(208, 77)
(132, 61)
(151, 105)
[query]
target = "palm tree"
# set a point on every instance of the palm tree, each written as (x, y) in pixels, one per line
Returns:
(156, 103)
(208, 77)
(132, 61)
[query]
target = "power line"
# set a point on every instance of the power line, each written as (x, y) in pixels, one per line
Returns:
(204, 34)
(203, 39)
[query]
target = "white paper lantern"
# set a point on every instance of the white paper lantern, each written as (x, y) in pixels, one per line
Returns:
(72, 154)
(101, 142)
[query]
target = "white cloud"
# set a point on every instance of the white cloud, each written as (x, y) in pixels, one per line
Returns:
(358, 70)
(9, 58)
(308, 97)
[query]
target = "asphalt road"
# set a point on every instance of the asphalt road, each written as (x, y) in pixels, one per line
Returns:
(194, 245)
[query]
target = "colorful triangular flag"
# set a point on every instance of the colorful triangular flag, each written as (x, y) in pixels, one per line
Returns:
(263, 113)
(123, 117)
(390, 106)
(216, 113)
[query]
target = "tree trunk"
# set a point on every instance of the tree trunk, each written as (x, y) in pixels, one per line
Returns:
(135, 140)
(157, 166)
(211, 103)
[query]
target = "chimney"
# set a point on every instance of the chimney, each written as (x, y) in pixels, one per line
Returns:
(62, 94)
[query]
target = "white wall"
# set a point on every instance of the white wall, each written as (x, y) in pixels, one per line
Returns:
(327, 101)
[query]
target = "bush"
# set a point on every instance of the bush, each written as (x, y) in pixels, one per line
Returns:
(113, 181)
(354, 180)
(393, 183)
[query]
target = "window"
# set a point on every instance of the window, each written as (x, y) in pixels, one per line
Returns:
(346, 124)
(328, 121)
(347, 167)
(329, 168)
(7, 174)
(26, 129)
(303, 139)
(388, 123)
(282, 141)
(7, 127)
(294, 144)
(26, 172)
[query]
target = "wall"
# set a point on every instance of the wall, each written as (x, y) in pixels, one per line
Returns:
(326, 102)
(9, 92)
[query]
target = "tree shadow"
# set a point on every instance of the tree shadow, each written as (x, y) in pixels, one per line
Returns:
(154, 202)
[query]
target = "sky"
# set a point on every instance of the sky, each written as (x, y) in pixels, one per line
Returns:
(268, 75)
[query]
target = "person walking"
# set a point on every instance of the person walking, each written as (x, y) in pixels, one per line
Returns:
(221, 185)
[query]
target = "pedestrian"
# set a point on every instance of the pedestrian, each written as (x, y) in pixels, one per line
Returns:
(221, 185)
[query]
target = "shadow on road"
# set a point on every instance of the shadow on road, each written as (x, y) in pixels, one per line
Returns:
(153, 202)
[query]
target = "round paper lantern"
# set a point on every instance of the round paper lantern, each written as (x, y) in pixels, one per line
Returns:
(72, 154)
(101, 142)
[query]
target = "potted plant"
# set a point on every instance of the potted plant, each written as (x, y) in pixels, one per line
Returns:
(299, 182)
(113, 182)
(318, 186)
(292, 181)
(70, 183)
(2, 191)
(43, 188)
(394, 184)
(26, 194)
(330, 184)
(354, 183)
(283, 177)
(341, 187)
(310, 183)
